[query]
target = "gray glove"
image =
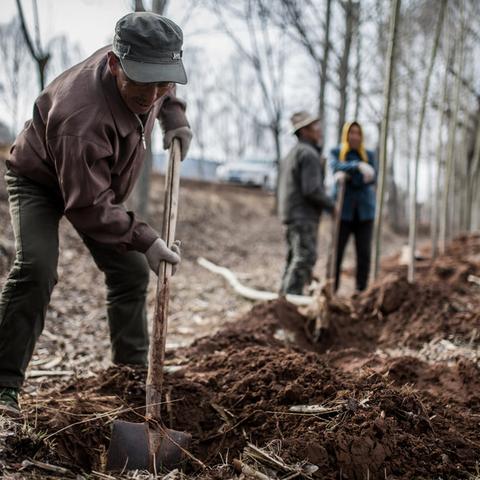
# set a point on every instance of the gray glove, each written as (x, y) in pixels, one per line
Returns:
(184, 134)
(159, 252)
(367, 171)
(340, 176)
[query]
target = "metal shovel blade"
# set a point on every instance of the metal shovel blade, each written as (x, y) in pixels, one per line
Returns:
(138, 446)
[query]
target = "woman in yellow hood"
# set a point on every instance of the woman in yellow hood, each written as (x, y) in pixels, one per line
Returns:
(353, 164)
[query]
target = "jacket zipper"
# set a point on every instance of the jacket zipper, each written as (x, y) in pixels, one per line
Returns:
(144, 143)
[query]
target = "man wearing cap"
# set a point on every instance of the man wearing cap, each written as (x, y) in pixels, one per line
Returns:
(301, 200)
(80, 156)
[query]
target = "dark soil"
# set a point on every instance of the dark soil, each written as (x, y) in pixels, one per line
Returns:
(391, 417)
(394, 409)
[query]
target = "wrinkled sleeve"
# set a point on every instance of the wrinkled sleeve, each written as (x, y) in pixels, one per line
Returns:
(357, 179)
(337, 166)
(372, 160)
(84, 176)
(311, 178)
(172, 113)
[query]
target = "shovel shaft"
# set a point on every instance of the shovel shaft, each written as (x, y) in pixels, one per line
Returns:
(160, 318)
(332, 265)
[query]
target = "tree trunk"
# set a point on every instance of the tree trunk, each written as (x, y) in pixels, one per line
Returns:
(41, 58)
(344, 66)
(474, 208)
(159, 6)
(358, 73)
(439, 157)
(450, 162)
(409, 138)
(394, 16)
(464, 184)
(276, 131)
(412, 239)
(392, 199)
(324, 64)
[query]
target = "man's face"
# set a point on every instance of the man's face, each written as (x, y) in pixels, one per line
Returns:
(313, 133)
(139, 97)
(355, 137)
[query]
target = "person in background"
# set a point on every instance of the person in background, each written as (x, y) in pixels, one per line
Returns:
(353, 164)
(301, 200)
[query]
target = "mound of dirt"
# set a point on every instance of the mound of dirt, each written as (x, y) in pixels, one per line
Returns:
(368, 423)
(371, 413)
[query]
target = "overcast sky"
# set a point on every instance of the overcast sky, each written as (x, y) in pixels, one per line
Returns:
(90, 24)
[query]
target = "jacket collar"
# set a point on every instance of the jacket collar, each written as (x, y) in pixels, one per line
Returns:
(318, 148)
(125, 120)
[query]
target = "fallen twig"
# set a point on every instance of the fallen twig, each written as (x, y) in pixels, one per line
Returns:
(103, 475)
(49, 373)
(474, 279)
(316, 409)
(241, 467)
(45, 466)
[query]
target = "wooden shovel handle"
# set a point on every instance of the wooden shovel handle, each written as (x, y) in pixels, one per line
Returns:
(332, 267)
(160, 319)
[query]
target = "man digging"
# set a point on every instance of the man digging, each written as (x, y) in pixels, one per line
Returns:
(301, 200)
(80, 156)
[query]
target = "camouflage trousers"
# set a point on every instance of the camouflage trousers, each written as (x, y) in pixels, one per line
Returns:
(301, 256)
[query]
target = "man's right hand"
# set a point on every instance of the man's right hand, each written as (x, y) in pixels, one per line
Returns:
(159, 252)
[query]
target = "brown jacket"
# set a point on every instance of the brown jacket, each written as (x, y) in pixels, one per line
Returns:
(86, 146)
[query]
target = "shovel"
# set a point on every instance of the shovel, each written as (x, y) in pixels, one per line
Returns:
(150, 445)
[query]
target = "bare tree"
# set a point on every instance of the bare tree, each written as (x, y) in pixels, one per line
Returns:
(324, 63)
(14, 77)
(310, 27)
(41, 58)
(440, 150)
(394, 16)
(199, 96)
(413, 197)
(237, 89)
(266, 56)
(344, 68)
(475, 183)
(450, 159)
(358, 61)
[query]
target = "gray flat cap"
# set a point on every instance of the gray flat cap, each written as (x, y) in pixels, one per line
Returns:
(149, 47)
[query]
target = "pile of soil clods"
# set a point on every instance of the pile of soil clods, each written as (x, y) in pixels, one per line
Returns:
(371, 423)
(443, 303)
(376, 416)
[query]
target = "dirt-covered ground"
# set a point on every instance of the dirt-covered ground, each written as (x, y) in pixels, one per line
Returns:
(393, 390)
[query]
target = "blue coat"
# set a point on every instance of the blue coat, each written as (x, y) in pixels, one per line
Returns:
(359, 195)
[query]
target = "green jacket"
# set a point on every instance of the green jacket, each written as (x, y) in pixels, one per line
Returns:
(301, 193)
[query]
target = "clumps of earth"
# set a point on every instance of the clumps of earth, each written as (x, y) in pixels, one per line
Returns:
(393, 390)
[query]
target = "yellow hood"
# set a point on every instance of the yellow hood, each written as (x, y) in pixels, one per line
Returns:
(345, 146)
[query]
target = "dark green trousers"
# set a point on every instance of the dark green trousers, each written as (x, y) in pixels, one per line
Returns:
(301, 256)
(35, 215)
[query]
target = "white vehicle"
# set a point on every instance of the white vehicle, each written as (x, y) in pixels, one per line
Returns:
(255, 173)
